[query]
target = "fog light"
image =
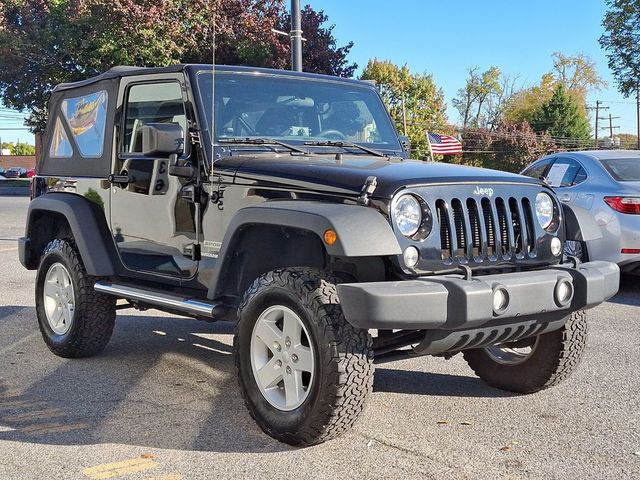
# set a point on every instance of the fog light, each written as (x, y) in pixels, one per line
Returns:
(564, 293)
(556, 246)
(500, 300)
(411, 256)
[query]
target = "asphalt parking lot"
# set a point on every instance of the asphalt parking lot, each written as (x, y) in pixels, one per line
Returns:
(162, 403)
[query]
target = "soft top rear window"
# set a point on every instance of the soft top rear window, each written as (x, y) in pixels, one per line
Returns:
(623, 169)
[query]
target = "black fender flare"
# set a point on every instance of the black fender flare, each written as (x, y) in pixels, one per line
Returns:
(361, 231)
(579, 224)
(88, 226)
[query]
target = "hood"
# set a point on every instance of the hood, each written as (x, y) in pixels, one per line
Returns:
(347, 175)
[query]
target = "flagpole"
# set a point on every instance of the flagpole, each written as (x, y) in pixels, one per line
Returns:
(430, 149)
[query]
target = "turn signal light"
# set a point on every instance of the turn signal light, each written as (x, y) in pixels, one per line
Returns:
(630, 205)
(330, 236)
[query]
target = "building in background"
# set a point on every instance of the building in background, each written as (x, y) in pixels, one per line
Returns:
(22, 161)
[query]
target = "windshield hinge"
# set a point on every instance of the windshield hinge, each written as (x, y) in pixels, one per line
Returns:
(368, 188)
(194, 136)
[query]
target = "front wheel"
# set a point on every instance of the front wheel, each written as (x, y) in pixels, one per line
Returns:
(304, 371)
(532, 364)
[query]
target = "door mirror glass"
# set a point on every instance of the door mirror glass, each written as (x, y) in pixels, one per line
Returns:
(160, 140)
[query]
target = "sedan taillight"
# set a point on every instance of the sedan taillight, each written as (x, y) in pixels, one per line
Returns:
(629, 205)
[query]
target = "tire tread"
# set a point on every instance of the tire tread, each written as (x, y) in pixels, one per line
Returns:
(350, 363)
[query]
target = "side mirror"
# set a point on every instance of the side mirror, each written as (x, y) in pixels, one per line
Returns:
(405, 142)
(161, 140)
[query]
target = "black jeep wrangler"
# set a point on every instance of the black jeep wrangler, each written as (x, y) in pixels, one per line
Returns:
(286, 202)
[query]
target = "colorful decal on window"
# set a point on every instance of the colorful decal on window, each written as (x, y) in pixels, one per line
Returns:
(86, 117)
(60, 144)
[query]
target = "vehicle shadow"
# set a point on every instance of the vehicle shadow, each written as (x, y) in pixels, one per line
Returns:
(188, 401)
(162, 382)
(629, 293)
(433, 384)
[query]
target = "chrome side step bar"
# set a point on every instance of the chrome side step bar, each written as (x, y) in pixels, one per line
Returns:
(158, 299)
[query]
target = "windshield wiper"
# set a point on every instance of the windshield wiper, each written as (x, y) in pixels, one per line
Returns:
(345, 145)
(262, 141)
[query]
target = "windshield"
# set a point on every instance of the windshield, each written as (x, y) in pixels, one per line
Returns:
(623, 169)
(296, 110)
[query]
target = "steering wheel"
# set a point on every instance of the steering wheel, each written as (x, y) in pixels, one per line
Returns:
(332, 134)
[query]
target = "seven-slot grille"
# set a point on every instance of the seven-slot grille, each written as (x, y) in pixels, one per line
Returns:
(482, 228)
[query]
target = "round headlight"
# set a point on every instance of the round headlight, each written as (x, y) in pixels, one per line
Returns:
(544, 209)
(407, 214)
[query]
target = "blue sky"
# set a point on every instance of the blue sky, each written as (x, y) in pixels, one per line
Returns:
(446, 38)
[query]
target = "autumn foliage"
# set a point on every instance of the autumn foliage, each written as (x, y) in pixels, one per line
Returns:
(46, 42)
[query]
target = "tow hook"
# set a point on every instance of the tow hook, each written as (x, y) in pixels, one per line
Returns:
(370, 185)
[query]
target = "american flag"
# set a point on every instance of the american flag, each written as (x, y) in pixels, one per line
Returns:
(444, 144)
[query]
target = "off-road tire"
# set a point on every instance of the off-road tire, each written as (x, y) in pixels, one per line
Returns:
(95, 313)
(554, 358)
(344, 369)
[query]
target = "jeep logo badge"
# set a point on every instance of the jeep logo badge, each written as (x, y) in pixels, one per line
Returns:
(483, 191)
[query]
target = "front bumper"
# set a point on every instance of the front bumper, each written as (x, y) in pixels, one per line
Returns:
(453, 303)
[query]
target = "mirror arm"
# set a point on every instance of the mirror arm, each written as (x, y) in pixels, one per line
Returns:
(182, 171)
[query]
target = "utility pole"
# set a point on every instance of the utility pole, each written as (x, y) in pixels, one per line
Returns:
(296, 37)
(611, 127)
(597, 109)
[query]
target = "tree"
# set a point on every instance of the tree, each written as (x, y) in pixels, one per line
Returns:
(411, 98)
(576, 73)
(524, 105)
(320, 52)
(628, 140)
(561, 116)
(18, 148)
(46, 42)
(509, 147)
(477, 94)
(620, 40)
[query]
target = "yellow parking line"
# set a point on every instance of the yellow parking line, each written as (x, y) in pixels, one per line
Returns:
(37, 415)
(19, 404)
(118, 469)
(47, 428)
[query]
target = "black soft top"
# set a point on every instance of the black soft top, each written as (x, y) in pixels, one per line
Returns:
(128, 71)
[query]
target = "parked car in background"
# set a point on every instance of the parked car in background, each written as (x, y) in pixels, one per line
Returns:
(2, 171)
(31, 172)
(13, 172)
(606, 184)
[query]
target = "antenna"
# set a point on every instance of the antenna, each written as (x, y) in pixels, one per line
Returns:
(213, 81)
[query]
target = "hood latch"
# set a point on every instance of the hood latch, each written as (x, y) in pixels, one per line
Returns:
(370, 185)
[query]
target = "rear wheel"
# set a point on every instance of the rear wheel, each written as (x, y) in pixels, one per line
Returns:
(304, 371)
(533, 364)
(75, 320)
